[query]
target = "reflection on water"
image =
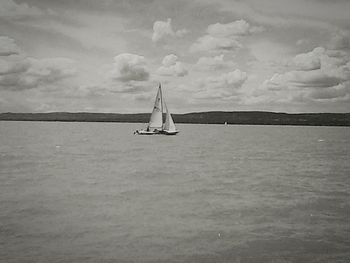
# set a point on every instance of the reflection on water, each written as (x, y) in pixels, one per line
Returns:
(94, 192)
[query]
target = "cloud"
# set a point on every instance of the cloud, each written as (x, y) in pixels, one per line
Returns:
(172, 67)
(214, 63)
(236, 28)
(340, 91)
(8, 46)
(224, 37)
(20, 72)
(224, 86)
(13, 65)
(163, 29)
(129, 67)
(181, 32)
(309, 61)
(339, 40)
(210, 43)
(23, 73)
(306, 79)
(10, 9)
(318, 75)
(298, 13)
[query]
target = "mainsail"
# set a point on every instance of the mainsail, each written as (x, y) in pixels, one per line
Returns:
(156, 120)
(169, 124)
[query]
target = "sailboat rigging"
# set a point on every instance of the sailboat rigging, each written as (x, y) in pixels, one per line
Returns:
(156, 125)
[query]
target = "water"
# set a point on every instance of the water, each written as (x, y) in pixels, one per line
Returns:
(94, 192)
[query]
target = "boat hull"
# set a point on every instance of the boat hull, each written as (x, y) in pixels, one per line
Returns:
(155, 132)
(143, 132)
(170, 132)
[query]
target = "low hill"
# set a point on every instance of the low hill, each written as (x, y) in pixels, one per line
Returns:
(213, 117)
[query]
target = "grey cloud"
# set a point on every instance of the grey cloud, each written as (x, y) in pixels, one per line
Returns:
(339, 40)
(235, 28)
(224, 37)
(225, 86)
(307, 61)
(18, 72)
(172, 67)
(8, 46)
(11, 9)
(337, 92)
(321, 74)
(129, 67)
(162, 31)
(214, 63)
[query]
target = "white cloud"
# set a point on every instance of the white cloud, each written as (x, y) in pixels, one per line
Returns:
(236, 28)
(181, 32)
(302, 42)
(224, 37)
(308, 61)
(339, 40)
(19, 72)
(129, 67)
(214, 63)
(163, 30)
(169, 60)
(13, 64)
(210, 43)
(172, 67)
(224, 86)
(10, 9)
(307, 79)
(22, 73)
(8, 46)
(320, 74)
(338, 92)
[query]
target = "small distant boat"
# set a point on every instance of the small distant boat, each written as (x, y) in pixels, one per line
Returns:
(225, 123)
(156, 125)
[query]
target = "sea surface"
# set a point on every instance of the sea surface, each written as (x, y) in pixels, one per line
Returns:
(94, 192)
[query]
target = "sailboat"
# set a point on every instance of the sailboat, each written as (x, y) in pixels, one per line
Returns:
(156, 125)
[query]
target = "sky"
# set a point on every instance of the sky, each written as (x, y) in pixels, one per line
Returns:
(231, 55)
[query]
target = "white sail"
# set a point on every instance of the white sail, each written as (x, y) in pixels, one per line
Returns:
(169, 124)
(156, 120)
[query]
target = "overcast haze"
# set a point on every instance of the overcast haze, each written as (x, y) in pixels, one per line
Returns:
(108, 56)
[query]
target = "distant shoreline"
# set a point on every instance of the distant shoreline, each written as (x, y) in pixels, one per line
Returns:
(212, 117)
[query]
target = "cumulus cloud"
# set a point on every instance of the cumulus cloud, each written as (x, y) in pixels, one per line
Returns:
(337, 92)
(236, 28)
(224, 37)
(10, 9)
(181, 32)
(301, 42)
(13, 65)
(172, 67)
(318, 75)
(163, 29)
(26, 73)
(211, 43)
(306, 79)
(214, 63)
(309, 61)
(339, 40)
(129, 67)
(8, 46)
(224, 86)
(19, 72)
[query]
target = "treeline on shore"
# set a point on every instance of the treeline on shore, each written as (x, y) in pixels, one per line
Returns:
(213, 117)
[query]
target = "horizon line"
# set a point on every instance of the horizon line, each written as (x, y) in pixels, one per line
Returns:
(192, 112)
